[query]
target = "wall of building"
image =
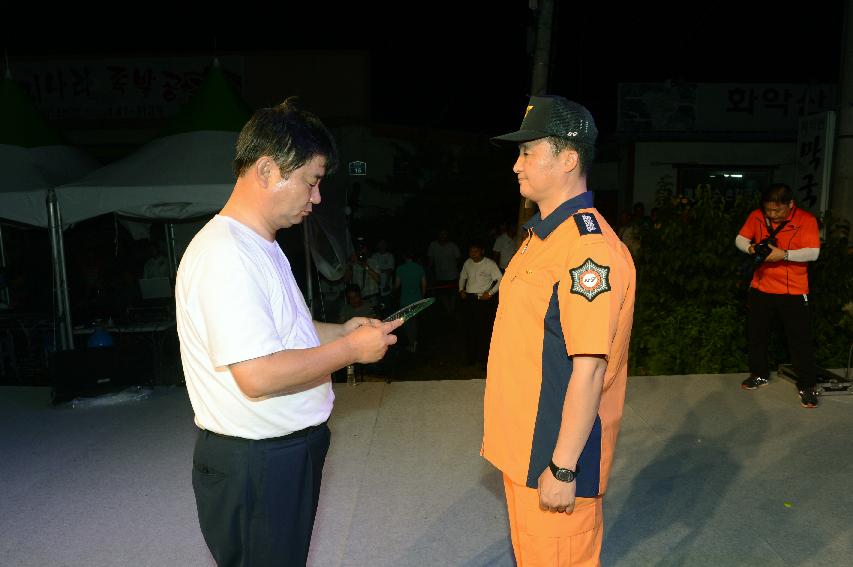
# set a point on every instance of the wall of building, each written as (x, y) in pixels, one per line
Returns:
(657, 163)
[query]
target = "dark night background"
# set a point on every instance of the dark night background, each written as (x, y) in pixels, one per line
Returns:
(706, 474)
(465, 66)
(440, 69)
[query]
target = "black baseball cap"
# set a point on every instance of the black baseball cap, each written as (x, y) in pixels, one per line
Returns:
(551, 115)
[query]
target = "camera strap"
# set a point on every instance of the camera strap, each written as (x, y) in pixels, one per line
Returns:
(772, 232)
(748, 266)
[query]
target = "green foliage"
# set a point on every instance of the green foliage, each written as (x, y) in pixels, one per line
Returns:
(831, 284)
(690, 312)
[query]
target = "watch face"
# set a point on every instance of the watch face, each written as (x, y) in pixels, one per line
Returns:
(565, 475)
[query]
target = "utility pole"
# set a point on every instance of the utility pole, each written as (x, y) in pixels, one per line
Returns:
(541, 66)
(542, 50)
(841, 188)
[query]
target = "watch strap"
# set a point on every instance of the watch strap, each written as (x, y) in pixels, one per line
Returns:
(561, 473)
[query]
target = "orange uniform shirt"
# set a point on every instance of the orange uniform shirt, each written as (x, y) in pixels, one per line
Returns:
(569, 290)
(784, 277)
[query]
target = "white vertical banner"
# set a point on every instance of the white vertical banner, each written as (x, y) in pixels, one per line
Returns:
(815, 141)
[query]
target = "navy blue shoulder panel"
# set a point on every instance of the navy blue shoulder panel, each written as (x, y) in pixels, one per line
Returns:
(589, 464)
(556, 371)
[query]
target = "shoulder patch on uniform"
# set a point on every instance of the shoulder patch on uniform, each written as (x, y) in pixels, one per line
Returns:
(586, 223)
(590, 279)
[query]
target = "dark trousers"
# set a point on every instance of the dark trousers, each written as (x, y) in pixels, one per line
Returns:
(447, 293)
(479, 320)
(793, 312)
(257, 500)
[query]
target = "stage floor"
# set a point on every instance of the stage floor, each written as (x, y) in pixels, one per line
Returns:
(705, 474)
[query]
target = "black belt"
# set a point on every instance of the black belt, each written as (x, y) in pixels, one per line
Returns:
(294, 435)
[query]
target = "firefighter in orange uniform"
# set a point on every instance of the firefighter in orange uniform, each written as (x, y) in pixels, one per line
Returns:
(558, 361)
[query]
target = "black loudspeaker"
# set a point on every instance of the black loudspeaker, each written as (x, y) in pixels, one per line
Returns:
(93, 372)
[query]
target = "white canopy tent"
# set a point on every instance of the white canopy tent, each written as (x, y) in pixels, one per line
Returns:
(175, 178)
(33, 157)
(188, 175)
(28, 174)
(178, 177)
(26, 197)
(34, 161)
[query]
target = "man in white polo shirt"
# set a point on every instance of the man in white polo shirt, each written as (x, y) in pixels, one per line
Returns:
(257, 367)
(478, 285)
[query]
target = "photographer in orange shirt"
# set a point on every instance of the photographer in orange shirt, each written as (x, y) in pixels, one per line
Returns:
(782, 239)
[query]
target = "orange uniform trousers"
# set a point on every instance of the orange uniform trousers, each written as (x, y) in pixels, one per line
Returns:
(552, 539)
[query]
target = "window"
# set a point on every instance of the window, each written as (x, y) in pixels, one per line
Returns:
(730, 182)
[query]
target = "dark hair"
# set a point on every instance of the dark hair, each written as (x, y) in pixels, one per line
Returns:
(289, 135)
(586, 151)
(477, 243)
(777, 193)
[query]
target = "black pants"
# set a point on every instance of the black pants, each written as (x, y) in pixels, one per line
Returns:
(793, 312)
(479, 320)
(257, 500)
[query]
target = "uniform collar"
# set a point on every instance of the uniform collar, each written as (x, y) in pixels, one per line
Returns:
(544, 227)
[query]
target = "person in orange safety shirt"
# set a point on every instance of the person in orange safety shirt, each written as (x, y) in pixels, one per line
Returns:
(782, 239)
(558, 361)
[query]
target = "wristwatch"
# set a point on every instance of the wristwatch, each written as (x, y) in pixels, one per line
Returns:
(563, 475)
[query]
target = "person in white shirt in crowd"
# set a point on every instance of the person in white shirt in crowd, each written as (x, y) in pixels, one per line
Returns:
(157, 264)
(257, 367)
(443, 264)
(384, 260)
(478, 285)
(505, 245)
(364, 272)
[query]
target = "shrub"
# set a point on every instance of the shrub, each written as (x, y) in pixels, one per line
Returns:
(691, 291)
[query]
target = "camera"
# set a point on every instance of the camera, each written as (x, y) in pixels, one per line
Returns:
(762, 250)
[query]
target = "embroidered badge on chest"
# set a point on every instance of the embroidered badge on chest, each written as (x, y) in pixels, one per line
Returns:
(590, 279)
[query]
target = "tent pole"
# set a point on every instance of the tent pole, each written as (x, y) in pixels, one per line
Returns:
(170, 246)
(62, 309)
(4, 293)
